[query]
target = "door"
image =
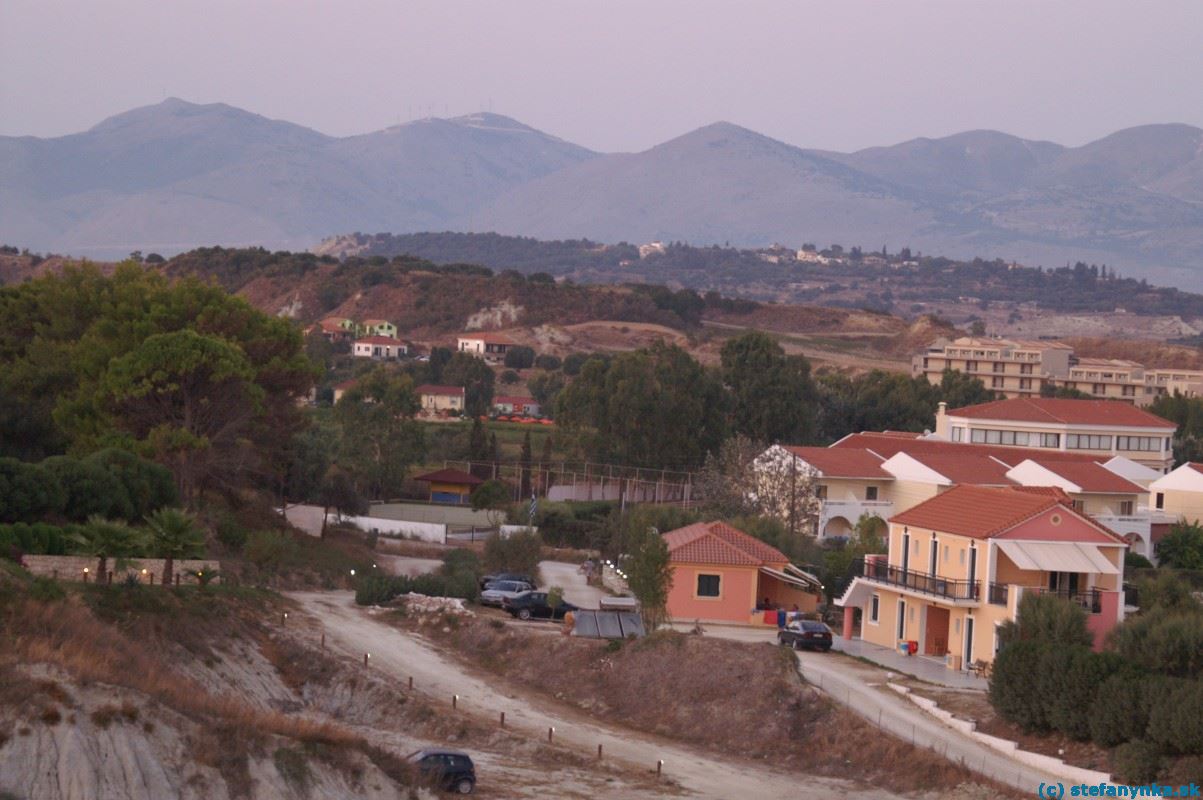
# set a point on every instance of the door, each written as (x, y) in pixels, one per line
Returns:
(935, 637)
(935, 553)
(901, 620)
(968, 640)
(906, 551)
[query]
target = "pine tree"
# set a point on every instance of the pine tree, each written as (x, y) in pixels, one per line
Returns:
(526, 456)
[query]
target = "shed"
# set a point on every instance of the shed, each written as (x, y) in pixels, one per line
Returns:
(450, 485)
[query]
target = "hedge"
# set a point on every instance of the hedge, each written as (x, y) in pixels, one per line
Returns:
(39, 539)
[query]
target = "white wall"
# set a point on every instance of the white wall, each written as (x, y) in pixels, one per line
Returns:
(425, 531)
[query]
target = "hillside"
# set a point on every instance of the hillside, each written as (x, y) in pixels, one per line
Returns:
(177, 175)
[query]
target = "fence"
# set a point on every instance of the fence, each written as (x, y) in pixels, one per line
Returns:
(143, 570)
(586, 480)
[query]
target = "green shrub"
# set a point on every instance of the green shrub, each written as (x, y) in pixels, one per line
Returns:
(232, 535)
(268, 550)
(1047, 618)
(40, 539)
(518, 552)
(1169, 642)
(1136, 762)
(379, 589)
(461, 560)
(1013, 692)
(28, 492)
(46, 590)
(1176, 718)
(1077, 686)
(1121, 710)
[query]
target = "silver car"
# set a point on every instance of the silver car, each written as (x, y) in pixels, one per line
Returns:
(501, 590)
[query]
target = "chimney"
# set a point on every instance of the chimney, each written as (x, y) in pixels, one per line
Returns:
(941, 408)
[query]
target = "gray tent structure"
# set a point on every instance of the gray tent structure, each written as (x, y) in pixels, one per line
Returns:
(607, 624)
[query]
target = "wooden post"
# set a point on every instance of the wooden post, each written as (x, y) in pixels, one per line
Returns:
(659, 767)
(599, 751)
(365, 659)
(503, 719)
(550, 732)
(323, 641)
(411, 681)
(455, 701)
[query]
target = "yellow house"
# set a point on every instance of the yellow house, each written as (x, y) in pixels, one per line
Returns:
(958, 564)
(450, 485)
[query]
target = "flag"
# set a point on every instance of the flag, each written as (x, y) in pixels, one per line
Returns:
(534, 508)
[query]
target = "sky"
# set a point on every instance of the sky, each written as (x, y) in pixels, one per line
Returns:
(617, 75)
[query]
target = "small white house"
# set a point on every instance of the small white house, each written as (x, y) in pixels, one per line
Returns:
(379, 347)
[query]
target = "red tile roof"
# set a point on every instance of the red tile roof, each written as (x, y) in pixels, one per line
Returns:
(977, 511)
(378, 340)
(1091, 477)
(974, 468)
(887, 446)
(488, 337)
(449, 476)
(1064, 411)
(430, 388)
(719, 543)
(842, 463)
(513, 399)
(1197, 467)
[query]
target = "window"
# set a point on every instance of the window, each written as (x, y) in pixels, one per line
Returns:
(901, 619)
(870, 493)
(1159, 501)
(1025, 383)
(1083, 441)
(997, 366)
(958, 434)
(821, 492)
(1125, 508)
(996, 382)
(1079, 506)
(1049, 440)
(1098, 388)
(874, 609)
(708, 586)
(971, 366)
(1025, 369)
(977, 437)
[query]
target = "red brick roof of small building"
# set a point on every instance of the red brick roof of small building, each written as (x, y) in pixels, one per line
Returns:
(488, 337)
(979, 512)
(843, 463)
(1064, 411)
(449, 476)
(719, 543)
(513, 399)
(431, 388)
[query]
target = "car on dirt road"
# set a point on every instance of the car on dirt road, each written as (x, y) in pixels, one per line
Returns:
(505, 576)
(534, 605)
(452, 770)
(805, 634)
(498, 591)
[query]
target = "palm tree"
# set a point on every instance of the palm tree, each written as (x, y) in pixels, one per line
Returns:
(106, 538)
(174, 534)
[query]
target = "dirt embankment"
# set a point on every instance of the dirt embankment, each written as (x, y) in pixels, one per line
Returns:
(143, 693)
(724, 696)
(1143, 351)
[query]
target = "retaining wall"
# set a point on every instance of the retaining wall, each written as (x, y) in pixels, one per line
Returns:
(71, 568)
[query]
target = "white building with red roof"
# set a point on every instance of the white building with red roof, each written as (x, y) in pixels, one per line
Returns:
(436, 399)
(485, 344)
(1093, 427)
(378, 347)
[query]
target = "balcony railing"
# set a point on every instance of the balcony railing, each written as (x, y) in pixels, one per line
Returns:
(921, 581)
(997, 593)
(1089, 599)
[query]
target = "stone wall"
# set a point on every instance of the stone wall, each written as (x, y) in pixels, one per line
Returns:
(146, 570)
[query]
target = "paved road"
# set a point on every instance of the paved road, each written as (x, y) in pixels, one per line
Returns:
(569, 578)
(861, 689)
(401, 654)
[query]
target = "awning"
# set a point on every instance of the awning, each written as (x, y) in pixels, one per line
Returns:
(803, 580)
(1057, 556)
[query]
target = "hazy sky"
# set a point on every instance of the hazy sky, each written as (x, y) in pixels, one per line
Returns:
(616, 75)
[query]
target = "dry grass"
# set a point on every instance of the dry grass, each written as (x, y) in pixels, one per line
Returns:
(682, 686)
(72, 637)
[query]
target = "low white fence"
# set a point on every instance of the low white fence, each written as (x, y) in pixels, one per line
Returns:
(402, 529)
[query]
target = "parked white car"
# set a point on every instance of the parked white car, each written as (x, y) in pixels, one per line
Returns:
(501, 590)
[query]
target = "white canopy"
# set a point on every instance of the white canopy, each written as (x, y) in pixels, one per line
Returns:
(1057, 556)
(795, 577)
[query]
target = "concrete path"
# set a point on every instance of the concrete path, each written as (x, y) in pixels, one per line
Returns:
(569, 578)
(400, 654)
(862, 689)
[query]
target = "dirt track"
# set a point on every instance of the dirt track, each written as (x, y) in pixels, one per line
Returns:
(401, 655)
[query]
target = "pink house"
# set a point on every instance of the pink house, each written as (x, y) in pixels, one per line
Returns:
(721, 574)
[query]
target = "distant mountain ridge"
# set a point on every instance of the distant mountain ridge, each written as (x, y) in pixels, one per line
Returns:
(176, 175)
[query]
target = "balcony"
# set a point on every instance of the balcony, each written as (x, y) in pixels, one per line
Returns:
(850, 510)
(1089, 599)
(878, 570)
(997, 593)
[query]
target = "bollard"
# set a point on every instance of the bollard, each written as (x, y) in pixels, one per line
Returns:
(659, 767)
(599, 751)
(177, 580)
(284, 618)
(411, 681)
(365, 659)
(323, 641)
(503, 719)
(550, 732)
(455, 701)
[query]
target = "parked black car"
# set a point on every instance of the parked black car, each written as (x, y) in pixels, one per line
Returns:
(485, 580)
(452, 770)
(533, 605)
(805, 634)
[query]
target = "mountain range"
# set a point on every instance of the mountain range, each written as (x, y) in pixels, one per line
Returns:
(178, 175)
